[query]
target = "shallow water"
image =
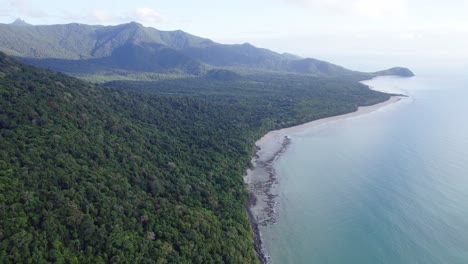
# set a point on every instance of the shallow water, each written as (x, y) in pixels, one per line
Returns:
(386, 187)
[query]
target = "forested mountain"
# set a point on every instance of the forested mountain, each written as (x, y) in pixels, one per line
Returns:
(143, 172)
(92, 175)
(79, 48)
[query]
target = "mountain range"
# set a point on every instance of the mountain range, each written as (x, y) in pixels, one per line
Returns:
(80, 48)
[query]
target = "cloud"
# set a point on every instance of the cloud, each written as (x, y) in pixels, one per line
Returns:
(148, 15)
(101, 16)
(24, 8)
(381, 8)
(143, 15)
(376, 9)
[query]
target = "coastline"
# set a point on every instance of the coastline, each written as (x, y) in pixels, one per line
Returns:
(261, 177)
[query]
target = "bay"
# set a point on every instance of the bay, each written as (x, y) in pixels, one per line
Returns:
(386, 187)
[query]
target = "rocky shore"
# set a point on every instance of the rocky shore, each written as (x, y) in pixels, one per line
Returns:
(261, 177)
(261, 207)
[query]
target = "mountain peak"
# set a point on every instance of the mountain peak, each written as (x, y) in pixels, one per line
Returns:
(20, 22)
(291, 56)
(131, 25)
(398, 71)
(135, 24)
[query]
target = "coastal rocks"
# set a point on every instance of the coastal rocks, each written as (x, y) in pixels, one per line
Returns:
(261, 179)
(262, 199)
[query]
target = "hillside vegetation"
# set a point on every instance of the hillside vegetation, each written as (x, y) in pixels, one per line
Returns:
(143, 172)
(92, 175)
(129, 48)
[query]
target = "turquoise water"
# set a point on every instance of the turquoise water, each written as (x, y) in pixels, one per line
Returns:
(386, 187)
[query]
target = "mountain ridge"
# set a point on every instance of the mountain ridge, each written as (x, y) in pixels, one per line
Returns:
(134, 47)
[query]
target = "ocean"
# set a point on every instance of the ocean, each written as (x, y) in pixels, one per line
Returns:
(390, 186)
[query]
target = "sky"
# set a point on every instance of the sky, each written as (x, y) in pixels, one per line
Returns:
(360, 34)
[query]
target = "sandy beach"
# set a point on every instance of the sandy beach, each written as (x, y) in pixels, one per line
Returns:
(261, 179)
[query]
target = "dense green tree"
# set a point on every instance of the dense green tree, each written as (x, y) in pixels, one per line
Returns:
(141, 172)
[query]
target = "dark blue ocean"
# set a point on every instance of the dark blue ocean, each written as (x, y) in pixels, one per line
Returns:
(386, 187)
